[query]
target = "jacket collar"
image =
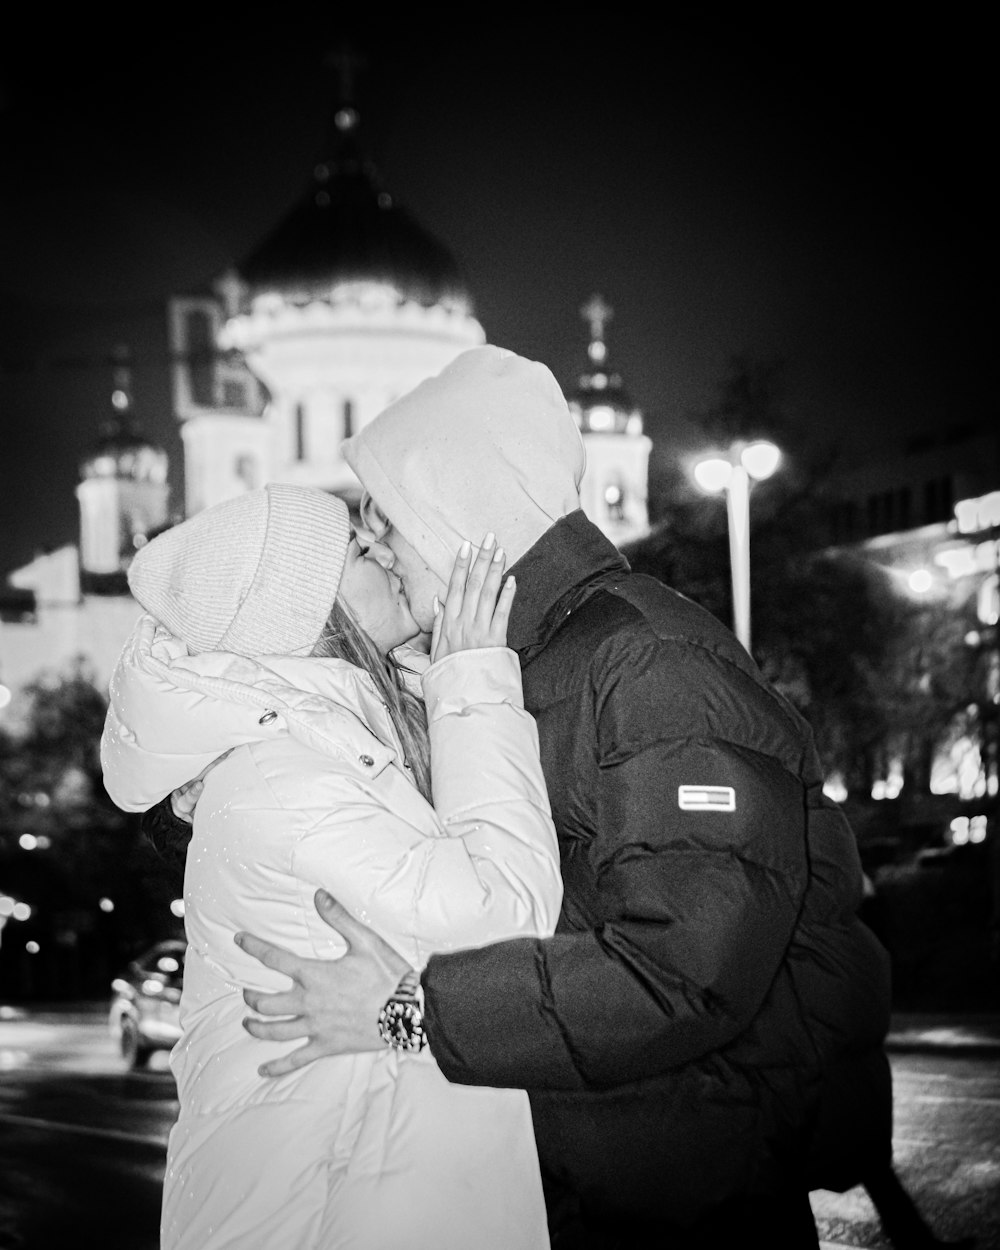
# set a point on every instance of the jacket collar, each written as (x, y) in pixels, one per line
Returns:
(570, 561)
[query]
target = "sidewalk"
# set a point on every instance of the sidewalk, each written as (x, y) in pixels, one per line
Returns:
(909, 1033)
(973, 1034)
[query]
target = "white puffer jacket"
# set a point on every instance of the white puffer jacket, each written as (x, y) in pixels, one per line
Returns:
(360, 1151)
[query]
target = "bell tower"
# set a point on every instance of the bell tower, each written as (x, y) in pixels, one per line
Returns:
(613, 493)
(123, 492)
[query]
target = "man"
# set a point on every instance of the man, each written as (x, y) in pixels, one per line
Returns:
(702, 1038)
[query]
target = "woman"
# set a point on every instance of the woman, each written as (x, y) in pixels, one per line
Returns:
(267, 637)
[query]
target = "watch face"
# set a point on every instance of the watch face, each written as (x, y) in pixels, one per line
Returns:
(400, 1024)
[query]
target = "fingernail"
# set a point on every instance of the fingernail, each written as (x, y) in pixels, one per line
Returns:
(323, 897)
(465, 548)
(511, 582)
(437, 605)
(489, 540)
(238, 939)
(498, 555)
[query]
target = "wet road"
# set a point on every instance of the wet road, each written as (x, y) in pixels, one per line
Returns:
(82, 1142)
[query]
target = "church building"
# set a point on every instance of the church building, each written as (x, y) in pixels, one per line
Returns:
(345, 305)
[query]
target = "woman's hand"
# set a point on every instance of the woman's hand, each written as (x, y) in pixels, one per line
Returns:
(473, 615)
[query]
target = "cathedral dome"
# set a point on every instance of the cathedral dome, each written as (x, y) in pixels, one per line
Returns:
(347, 229)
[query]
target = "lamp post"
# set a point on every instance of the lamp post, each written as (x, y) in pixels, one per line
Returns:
(733, 473)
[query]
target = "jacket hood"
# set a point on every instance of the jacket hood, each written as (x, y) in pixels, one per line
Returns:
(489, 444)
(171, 714)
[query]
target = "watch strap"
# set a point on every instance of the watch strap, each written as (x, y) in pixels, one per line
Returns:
(411, 988)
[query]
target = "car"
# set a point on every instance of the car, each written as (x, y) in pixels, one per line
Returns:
(145, 1004)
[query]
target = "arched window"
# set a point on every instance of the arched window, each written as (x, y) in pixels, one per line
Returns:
(300, 432)
(199, 349)
(246, 471)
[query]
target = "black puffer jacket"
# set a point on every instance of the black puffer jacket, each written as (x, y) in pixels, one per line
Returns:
(708, 1019)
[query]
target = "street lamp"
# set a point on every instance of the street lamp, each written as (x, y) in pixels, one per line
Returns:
(733, 473)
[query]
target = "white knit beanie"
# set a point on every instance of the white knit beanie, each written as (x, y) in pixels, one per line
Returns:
(489, 444)
(254, 575)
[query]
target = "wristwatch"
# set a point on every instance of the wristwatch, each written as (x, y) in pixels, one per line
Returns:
(401, 1020)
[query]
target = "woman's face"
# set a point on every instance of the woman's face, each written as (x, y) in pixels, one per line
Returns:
(375, 596)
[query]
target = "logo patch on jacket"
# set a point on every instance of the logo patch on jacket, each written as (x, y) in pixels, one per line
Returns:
(706, 798)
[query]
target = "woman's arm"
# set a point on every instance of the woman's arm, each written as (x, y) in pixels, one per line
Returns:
(494, 870)
(487, 867)
(492, 876)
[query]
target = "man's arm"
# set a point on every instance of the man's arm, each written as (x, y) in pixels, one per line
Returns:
(694, 914)
(676, 922)
(168, 835)
(167, 827)
(694, 927)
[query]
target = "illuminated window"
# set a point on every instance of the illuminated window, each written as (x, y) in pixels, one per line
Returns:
(978, 514)
(958, 766)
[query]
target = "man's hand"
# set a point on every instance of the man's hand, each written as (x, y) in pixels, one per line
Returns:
(333, 1003)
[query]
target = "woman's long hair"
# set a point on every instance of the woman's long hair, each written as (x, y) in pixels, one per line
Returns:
(344, 639)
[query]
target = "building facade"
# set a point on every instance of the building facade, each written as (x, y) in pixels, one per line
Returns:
(928, 520)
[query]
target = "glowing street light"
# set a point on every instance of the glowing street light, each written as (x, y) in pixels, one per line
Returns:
(733, 473)
(920, 581)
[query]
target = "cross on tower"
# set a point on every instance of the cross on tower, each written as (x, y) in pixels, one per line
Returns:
(347, 65)
(598, 313)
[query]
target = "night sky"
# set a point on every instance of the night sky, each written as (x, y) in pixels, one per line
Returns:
(789, 191)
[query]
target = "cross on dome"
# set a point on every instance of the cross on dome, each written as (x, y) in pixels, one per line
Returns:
(347, 64)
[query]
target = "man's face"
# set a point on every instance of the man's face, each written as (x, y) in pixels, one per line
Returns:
(387, 545)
